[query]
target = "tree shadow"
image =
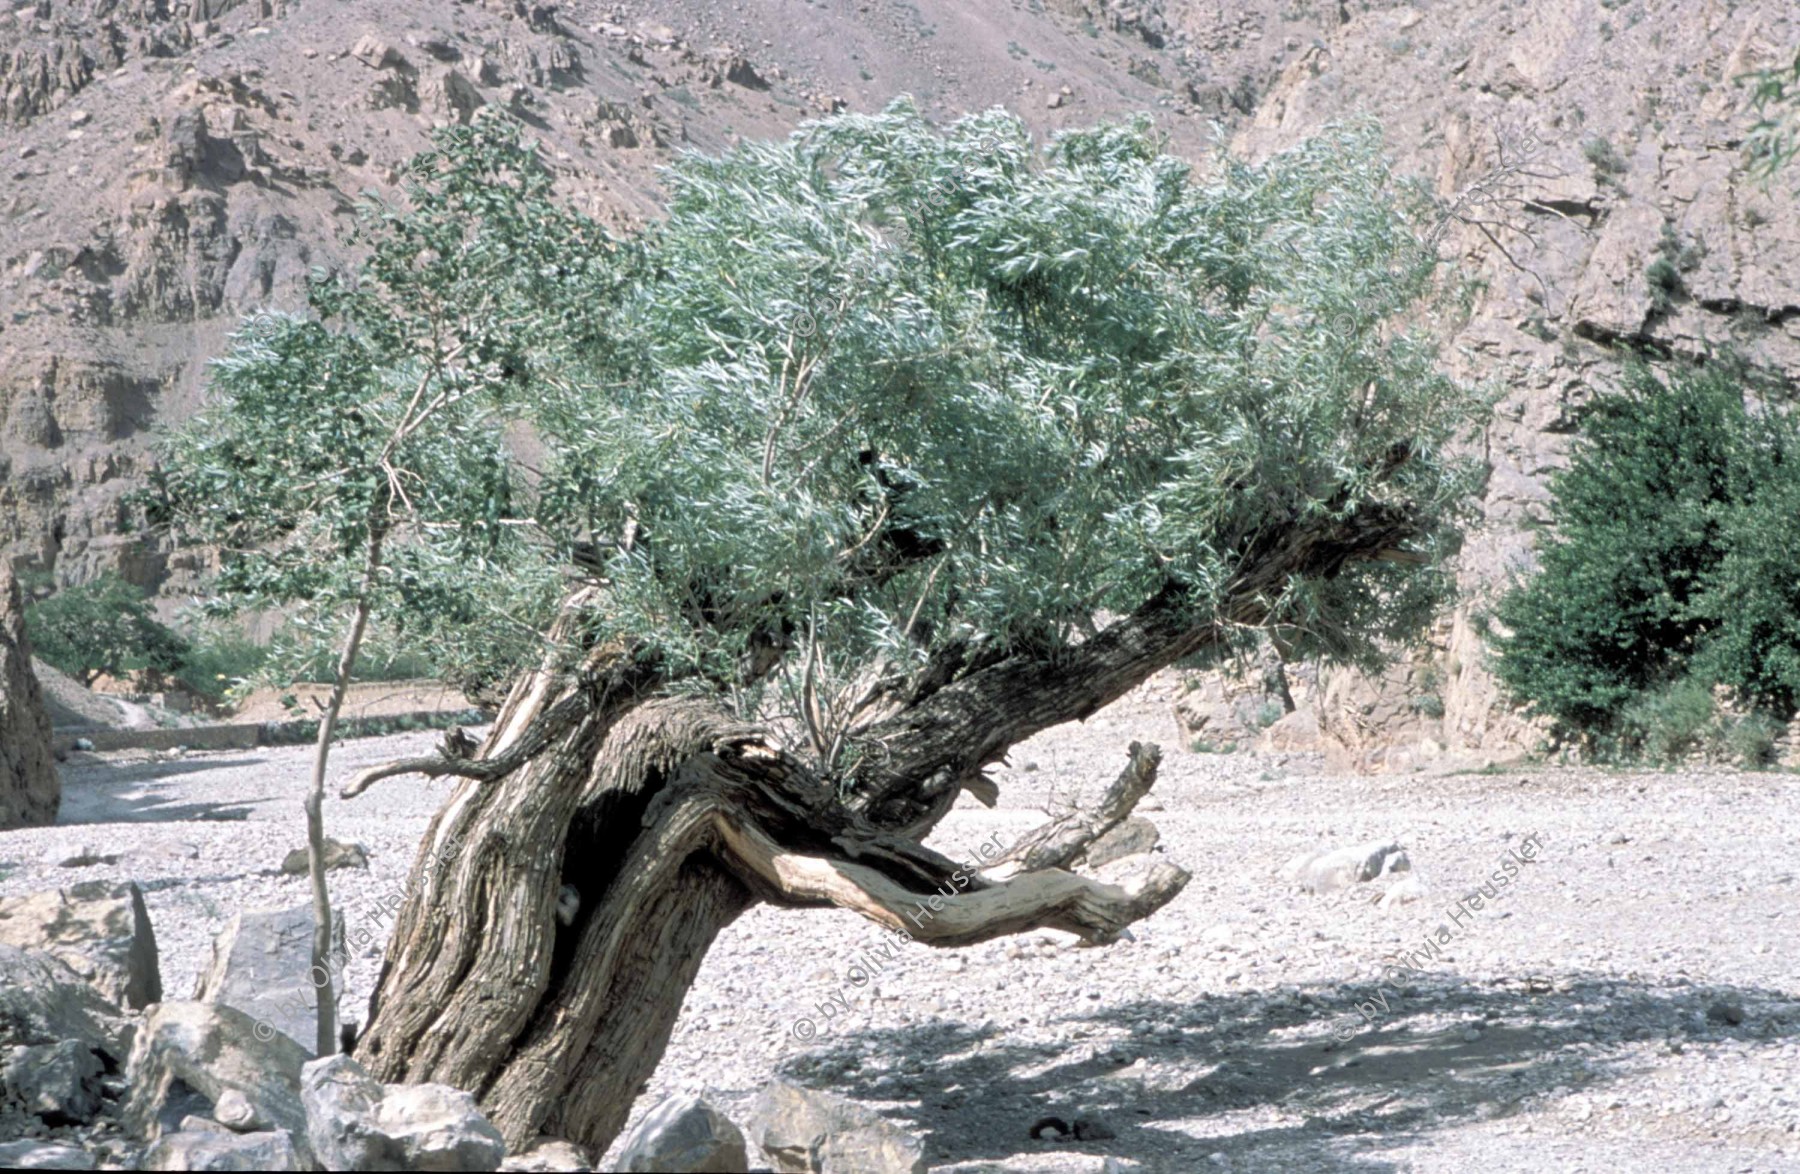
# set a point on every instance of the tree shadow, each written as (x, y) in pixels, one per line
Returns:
(1198, 1078)
(102, 792)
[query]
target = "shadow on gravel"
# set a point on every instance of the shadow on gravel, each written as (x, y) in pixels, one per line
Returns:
(1444, 1055)
(104, 792)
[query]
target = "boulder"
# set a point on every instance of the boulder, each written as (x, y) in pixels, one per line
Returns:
(43, 1155)
(1327, 872)
(439, 1128)
(99, 929)
(208, 1150)
(234, 1111)
(684, 1135)
(187, 1056)
(262, 965)
(57, 1083)
(454, 97)
(376, 53)
(339, 1100)
(355, 1122)
(42, 1001)
(337, 855)
(1133, 835)
(29, 791)
(803, 1131)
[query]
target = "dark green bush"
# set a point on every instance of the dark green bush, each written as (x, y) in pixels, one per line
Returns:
(105, 626)
(1669, 570)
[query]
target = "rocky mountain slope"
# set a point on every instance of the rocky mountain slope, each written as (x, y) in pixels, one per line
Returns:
(174, 164)
(1592, 155)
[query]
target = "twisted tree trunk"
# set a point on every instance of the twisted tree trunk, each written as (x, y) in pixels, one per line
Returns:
(670, 819)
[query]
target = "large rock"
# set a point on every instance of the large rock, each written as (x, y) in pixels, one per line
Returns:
(803, 1131)
(43, 1155)
(1327, 872)
(57, 1083)
(187, 1056)
(273, 1150)
(29, 791)
(1132, 836)
(684, 1135)
(100, 929)
(262, 965)
(354, 1122)
(42, 1001)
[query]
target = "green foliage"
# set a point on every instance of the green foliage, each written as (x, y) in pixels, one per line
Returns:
(1088, 380)
(221, 662)
(105, 626)
(1604, 156)
(1663, 276)
(1669, 570)
(1428, 705)
(1774, 138)
(377, 426)
(1669, 723)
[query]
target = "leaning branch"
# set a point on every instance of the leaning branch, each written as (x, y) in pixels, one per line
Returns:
(1049, 899)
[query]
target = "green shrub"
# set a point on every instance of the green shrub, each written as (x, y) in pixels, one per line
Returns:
(1668, 724)
(220, 661)
(1604, 156)
(1636, 532)
(105, 626)
(1669, 570)
(1750, 740)
(1428, 705)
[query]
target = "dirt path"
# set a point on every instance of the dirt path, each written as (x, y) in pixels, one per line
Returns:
(1583, 1021)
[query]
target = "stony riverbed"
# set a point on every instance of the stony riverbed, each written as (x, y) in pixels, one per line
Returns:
(1631, 1001)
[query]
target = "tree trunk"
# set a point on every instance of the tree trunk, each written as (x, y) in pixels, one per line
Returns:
(326, 992)
(670, 819)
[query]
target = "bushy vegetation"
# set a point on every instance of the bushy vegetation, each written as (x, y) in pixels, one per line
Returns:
(1668, 577)
(106, 626)
(1774, 138)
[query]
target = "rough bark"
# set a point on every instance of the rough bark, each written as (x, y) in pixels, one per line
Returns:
(670, 819)
(677, 819)
(30, 793)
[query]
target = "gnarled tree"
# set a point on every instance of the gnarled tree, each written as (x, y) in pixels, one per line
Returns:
(844, 522)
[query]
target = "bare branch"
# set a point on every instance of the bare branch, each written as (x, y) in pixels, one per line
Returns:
(1048, 899)
(1064, 839)
(548, 725)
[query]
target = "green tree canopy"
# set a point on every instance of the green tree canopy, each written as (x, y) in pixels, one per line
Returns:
(1088, 379)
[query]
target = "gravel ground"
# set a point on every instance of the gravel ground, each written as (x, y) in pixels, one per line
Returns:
(1631, 1002)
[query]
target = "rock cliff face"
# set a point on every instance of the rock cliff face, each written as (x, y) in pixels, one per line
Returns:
(29, 790)
(174, 164)
(1594, 154)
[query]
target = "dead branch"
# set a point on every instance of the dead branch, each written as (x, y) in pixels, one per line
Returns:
(1065, 838)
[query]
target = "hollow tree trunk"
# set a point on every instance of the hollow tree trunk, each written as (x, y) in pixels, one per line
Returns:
(670, 820)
